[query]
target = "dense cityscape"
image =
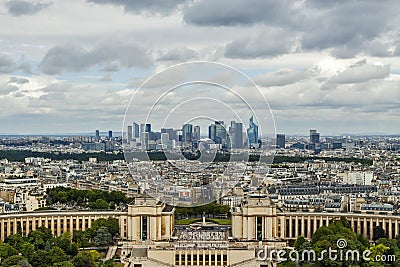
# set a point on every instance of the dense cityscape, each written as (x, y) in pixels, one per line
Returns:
(199, 133)
(353, 176)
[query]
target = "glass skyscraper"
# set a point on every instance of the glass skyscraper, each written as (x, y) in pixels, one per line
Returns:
(252, 132)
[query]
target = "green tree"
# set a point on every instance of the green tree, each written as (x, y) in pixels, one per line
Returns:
(7, 251)
(56, 254)
(27, 249)
(15, 241)
(301, 243)
(112, 225)
(40, 258)
(39, 237)
(81, 238)
(72, 249)
(83, 259)
(103, 237)
(378, 232)
(63, 264)
(393, 250)
(377, 250)
(64, 241)
(99, 204)
(108, 263)
(12, 261)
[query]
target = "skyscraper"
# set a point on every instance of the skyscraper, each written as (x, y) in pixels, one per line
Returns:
(314, 136)
(136, 130)
(142, 129)
(170, 132)
(218, 133)
(164, 140)
(110, 134)
(147, 128)
(236, 134)
(129, 137)
(196, 133)
(97, 135)
(145, 137)
(187, 130)
(280, 141)
(252, 132)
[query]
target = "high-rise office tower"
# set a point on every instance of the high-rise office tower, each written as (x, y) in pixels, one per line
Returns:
(236, 134)
(97, 135)
(218, 133)
(187, 130)
(280, 141)
(142, 129)
(314, 136)
(110, 134)
(173, 135)
(170, 133)
(164, 139)
(212, 131)
(129, 137)
(196, 133)
(179, 135)
(136, 130)
(144, 140)
(252, 132)
(147, 128)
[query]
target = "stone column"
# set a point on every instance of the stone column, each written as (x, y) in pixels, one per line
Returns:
(245, 228)
(8, 227)
(371, 228)
(315, 224)
(2, 230)
(58, 230)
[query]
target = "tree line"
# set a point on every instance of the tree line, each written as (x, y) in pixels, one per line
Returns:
(327, 237)
(210, 210)
(17, 155)
(41, 249)
(93, 199)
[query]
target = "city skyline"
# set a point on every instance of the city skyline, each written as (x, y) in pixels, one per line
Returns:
(316, 72)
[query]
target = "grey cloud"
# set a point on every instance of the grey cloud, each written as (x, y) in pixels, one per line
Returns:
(26, 67)
(6, 89)
(361, 72)
(7, 65)
(138, 6)
(265, 44)
(18, 80)
(111, 67)
(281, 77)
(178, 54)
(74, 58)
(378, 48)
(345, 27)
(19, 7)
(237, 12)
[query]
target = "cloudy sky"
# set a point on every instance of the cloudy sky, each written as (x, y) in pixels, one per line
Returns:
(72, 66)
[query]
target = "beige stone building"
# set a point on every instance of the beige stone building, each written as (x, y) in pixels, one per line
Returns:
(148, 236)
